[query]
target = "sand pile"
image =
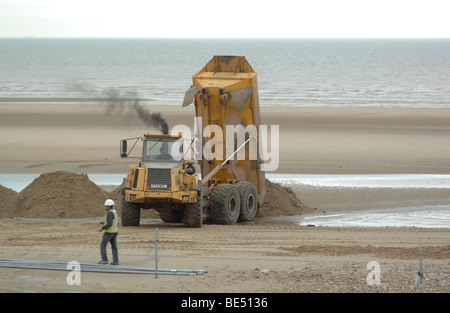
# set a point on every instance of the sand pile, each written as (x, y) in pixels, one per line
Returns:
(62, 194)
(68, 195)
(281, 201)
(8, 202)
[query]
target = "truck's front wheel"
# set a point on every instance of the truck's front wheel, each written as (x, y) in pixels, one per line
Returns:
(193, 215)
(131, 213)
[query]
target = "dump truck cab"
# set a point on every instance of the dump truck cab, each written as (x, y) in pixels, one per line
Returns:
(163, 181)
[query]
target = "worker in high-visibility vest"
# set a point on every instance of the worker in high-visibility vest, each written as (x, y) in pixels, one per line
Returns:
(110, 234)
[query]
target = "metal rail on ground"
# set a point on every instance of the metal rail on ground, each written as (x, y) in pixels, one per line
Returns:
(102, 268)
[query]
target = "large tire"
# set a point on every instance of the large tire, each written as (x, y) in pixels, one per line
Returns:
(225, 204)
(249, 201)
(193, 215)
(131, 213)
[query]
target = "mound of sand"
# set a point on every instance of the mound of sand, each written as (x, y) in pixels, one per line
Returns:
(68, 195)
(62, 194)
(8, 202)
(281, 201)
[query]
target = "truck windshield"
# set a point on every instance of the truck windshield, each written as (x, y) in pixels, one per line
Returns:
(161, 150)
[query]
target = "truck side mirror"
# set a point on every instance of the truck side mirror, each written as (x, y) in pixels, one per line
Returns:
(123, 145)
(190, 170)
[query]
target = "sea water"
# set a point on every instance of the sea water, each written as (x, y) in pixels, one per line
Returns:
(437, 216)
(291, 72)
(363, 180)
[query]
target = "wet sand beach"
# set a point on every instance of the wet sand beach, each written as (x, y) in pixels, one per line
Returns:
(48, 136)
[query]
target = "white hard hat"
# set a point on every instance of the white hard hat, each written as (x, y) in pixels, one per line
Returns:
(109, 202)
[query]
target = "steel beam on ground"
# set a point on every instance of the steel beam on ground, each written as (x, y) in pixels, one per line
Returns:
(103, 268)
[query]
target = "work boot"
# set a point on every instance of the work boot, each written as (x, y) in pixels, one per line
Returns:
(114, 263)
(103, 262)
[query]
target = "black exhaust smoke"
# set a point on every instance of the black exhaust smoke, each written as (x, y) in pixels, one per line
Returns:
(117, 101)
(152, 119)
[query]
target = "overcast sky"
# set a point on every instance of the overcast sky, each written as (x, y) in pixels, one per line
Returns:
(227, 18)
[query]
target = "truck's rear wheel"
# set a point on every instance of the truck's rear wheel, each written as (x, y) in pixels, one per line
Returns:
(193, 215)
(249, 201)
(225, 204)
(131, 213)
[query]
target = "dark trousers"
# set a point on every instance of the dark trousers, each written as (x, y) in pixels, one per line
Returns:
(112, 238)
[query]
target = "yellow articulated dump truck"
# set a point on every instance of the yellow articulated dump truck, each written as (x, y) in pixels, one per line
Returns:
(232, 185)
(163, 181)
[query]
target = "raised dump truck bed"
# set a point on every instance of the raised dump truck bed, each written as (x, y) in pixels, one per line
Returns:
(225, 94)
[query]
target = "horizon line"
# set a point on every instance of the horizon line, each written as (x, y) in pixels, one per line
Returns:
(220, 38)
